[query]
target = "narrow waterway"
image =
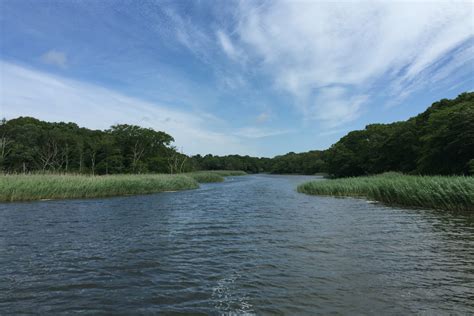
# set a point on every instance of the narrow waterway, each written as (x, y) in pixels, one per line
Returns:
(250, 245)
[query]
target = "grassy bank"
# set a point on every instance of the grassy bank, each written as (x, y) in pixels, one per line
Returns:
(213, 175)
(437, 192)
(37, 187)
(54, 186)
(205, 177)
(228, 173)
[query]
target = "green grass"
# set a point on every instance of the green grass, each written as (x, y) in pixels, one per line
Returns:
(213, 175)
(57, 186)
(38, 187)
(436, 192)
(228, 173)
(205, 177)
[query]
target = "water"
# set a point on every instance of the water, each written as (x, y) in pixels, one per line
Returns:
(250, 245)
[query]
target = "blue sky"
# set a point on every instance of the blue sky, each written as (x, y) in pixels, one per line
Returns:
(248, 77)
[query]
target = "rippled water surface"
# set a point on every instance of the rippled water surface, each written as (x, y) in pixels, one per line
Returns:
(249, 245)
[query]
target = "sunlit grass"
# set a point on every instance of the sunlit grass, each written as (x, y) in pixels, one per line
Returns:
(68, 186)
(205, 177)
(228, 173)
(37, 187)
(436, 192)
(213, 175)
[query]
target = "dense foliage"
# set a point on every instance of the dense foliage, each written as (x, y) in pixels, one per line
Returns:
(298, 163)
(27, 144)
(437, 141)
(230, 162)
(310, 162)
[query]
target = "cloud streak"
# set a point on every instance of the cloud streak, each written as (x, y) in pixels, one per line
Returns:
(256, 132)
(228, 47)
(332, 57)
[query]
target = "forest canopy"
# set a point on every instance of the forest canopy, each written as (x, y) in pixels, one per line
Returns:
(437, 141)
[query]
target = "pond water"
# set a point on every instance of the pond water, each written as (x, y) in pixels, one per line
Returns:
(250, 245)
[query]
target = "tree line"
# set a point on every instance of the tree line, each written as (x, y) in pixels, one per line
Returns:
(437, 141)
(28, 144)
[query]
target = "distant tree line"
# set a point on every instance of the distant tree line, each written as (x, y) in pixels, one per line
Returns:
(437, 141)
(292, 163)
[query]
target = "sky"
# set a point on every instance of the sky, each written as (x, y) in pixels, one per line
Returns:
(258, 78)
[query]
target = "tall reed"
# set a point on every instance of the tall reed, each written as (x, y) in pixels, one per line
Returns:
(228, 173)
(37, 187)
(16, 187)
(436, 192)
(214, 175)
(205, 177)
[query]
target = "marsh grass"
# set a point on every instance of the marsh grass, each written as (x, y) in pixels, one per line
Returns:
(67, 186)
(205, 177)
(38, 187)
(213, 175)
(436, 192)
(228, 173)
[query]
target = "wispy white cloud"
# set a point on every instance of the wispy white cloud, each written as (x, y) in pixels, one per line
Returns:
(256, 132)
(461, 61)
(230, 81)
(330, 132)
(207, 45)
(27, 92)
(332, 56)
(190, 35)
(263, 117)
(228, 47)
(54, 57)
(335, 106)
